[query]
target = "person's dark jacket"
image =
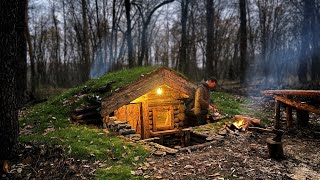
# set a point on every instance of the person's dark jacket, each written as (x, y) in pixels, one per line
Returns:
(202, 98)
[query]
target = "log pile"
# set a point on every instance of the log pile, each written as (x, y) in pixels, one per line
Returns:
(87, 115)
(122, 128)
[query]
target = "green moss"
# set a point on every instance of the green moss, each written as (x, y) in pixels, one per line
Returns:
(49, 123)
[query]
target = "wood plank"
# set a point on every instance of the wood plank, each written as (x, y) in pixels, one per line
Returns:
(298, 105)
(292, 92)
(157, 133)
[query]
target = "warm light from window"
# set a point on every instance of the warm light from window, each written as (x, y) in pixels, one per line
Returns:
(159, 91)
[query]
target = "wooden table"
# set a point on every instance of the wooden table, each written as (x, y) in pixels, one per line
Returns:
(284, 98)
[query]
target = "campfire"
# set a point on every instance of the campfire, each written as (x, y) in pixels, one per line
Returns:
(242, 123)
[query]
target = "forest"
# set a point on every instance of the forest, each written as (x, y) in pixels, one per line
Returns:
(75, 73)
(258, 41)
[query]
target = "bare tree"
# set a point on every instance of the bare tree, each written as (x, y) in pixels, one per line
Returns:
(12, 51)
(243, 40)
(129, 35)
(146, 19)
(183, 61)
(210, 54)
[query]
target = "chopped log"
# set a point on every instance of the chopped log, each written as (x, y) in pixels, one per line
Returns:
(127, 131)
(164, 148)
(83, 110)
(122, 126)
(292, 92)
(275, 149)
(298, 105)
(150, 139)
(247, 119)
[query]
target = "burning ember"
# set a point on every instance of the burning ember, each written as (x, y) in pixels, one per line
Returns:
(239, 124)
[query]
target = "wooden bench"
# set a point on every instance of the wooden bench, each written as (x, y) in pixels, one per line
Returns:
(284, 98)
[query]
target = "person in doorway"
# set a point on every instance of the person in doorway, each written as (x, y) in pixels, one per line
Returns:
(202, 100)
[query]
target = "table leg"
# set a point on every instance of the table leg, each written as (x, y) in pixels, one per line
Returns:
(302, 118)
(289, 116)
(277, 115)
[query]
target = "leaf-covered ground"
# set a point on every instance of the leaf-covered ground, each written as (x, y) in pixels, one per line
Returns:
(244, 156)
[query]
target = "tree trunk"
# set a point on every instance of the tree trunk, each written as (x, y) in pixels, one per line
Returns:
(183, 62)
(243, 41)
(30, 49)
(305, 43)
(21, 63)
(85, 44)
(11, 50)
(315, 56)
(210, 69)
(129, 34)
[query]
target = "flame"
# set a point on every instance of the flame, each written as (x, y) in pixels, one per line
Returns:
(239, 124)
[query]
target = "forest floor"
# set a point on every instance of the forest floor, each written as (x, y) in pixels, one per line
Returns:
(245, 156)
(241, 157)
(236, 156)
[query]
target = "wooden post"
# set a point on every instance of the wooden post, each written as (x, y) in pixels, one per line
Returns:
(302, 118)
(277, 115)
(185, 137)
(289, 116)
(275, 149)
(159, 140)
(145, 128)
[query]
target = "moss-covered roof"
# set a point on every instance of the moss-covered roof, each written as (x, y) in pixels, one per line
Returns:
(147, 82)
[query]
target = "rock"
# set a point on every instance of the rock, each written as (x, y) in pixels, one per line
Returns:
(159, 153)
(19, 170)
(135, 137)
(223, 132)
(189, 167)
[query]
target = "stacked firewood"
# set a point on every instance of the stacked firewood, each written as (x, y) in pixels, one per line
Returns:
(87, 115)
(122, 128)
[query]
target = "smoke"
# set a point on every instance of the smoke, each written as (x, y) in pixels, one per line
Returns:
(278, 70)
(99, 65)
